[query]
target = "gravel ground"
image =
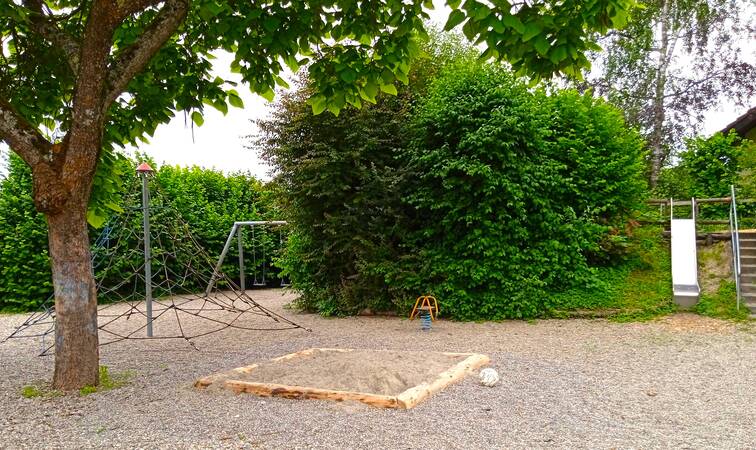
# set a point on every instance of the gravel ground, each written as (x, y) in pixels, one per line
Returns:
(682, 382)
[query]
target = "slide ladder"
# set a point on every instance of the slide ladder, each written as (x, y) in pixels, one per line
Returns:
(685, 288)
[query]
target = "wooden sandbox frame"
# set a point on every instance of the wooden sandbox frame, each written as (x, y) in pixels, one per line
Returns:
(404, 400)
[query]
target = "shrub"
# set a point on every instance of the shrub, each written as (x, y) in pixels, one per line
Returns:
(517, 191)
(480, 190)
(339, 183)
(342, 187)
(712, 164)
(708, 167)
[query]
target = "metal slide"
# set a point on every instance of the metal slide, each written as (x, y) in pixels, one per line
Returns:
(685, 288)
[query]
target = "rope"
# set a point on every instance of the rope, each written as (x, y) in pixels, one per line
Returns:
(180, 266)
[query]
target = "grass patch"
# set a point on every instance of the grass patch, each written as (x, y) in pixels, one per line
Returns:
(722, 304)
(108, 381)
(39, 390)
(639, 289)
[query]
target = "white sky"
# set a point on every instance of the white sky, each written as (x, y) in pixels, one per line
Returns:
(220, 142)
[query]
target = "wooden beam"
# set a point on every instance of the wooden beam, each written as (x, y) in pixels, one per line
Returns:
(701, 222)
(413, 396)
(665, 201)
(405, 400)
(303, 392)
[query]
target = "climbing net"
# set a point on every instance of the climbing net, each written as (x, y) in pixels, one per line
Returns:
(181, 270)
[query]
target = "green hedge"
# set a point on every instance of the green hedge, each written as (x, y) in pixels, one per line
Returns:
(24, 263)
(208, 201)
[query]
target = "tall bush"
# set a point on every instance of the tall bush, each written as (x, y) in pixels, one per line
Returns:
(480, 190)
(517, 191)
(339, 182)
(716, 162)
(341, 185)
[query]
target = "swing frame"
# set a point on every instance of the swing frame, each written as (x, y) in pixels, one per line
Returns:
(236, 230)
(242, 275)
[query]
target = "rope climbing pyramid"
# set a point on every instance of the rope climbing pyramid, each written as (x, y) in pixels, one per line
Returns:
(151, 278)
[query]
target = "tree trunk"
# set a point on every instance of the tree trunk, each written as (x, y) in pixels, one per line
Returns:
(656, 141)
(62, 172)
(76, 343)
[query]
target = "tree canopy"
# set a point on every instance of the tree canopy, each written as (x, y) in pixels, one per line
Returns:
(675, 61)
(160, 56)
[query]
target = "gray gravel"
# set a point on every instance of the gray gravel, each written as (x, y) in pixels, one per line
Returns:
(680, 382)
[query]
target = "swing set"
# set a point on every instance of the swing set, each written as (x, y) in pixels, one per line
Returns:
(258, 242)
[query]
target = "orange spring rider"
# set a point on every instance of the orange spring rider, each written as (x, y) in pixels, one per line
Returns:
(425, 303)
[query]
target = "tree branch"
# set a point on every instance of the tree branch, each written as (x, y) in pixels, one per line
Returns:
(22, 137)
(133, 59)
(690, 84)
(130, 7)
(42, 24)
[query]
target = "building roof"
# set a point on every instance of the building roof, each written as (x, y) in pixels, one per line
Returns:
(743, 124)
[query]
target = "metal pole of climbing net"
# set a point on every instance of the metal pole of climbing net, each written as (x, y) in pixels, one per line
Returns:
(144, 170)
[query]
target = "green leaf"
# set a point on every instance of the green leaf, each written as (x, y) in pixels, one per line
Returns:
(389, 89)
(558, 54)
(281, 82)
(220, 105)
(95, 219)
(318, 104)
(292, 63)
(470, 29)
(455, 18)
(334, 109)
(235, 100)
(532, 29)
(513, 22)
(371, 89)
(271, 23)
(482, 12)
(197, 118)
(542, 46)
(268, 95)
(114, 206)
(349, 75)
(620, 19)
(235, 66)
(209, 10)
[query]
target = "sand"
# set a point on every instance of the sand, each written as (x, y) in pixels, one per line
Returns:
(377, 372)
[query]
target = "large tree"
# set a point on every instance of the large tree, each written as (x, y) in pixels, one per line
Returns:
(79, 77)
(676, 60)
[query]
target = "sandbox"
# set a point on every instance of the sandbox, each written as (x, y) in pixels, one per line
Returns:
(382, 378)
